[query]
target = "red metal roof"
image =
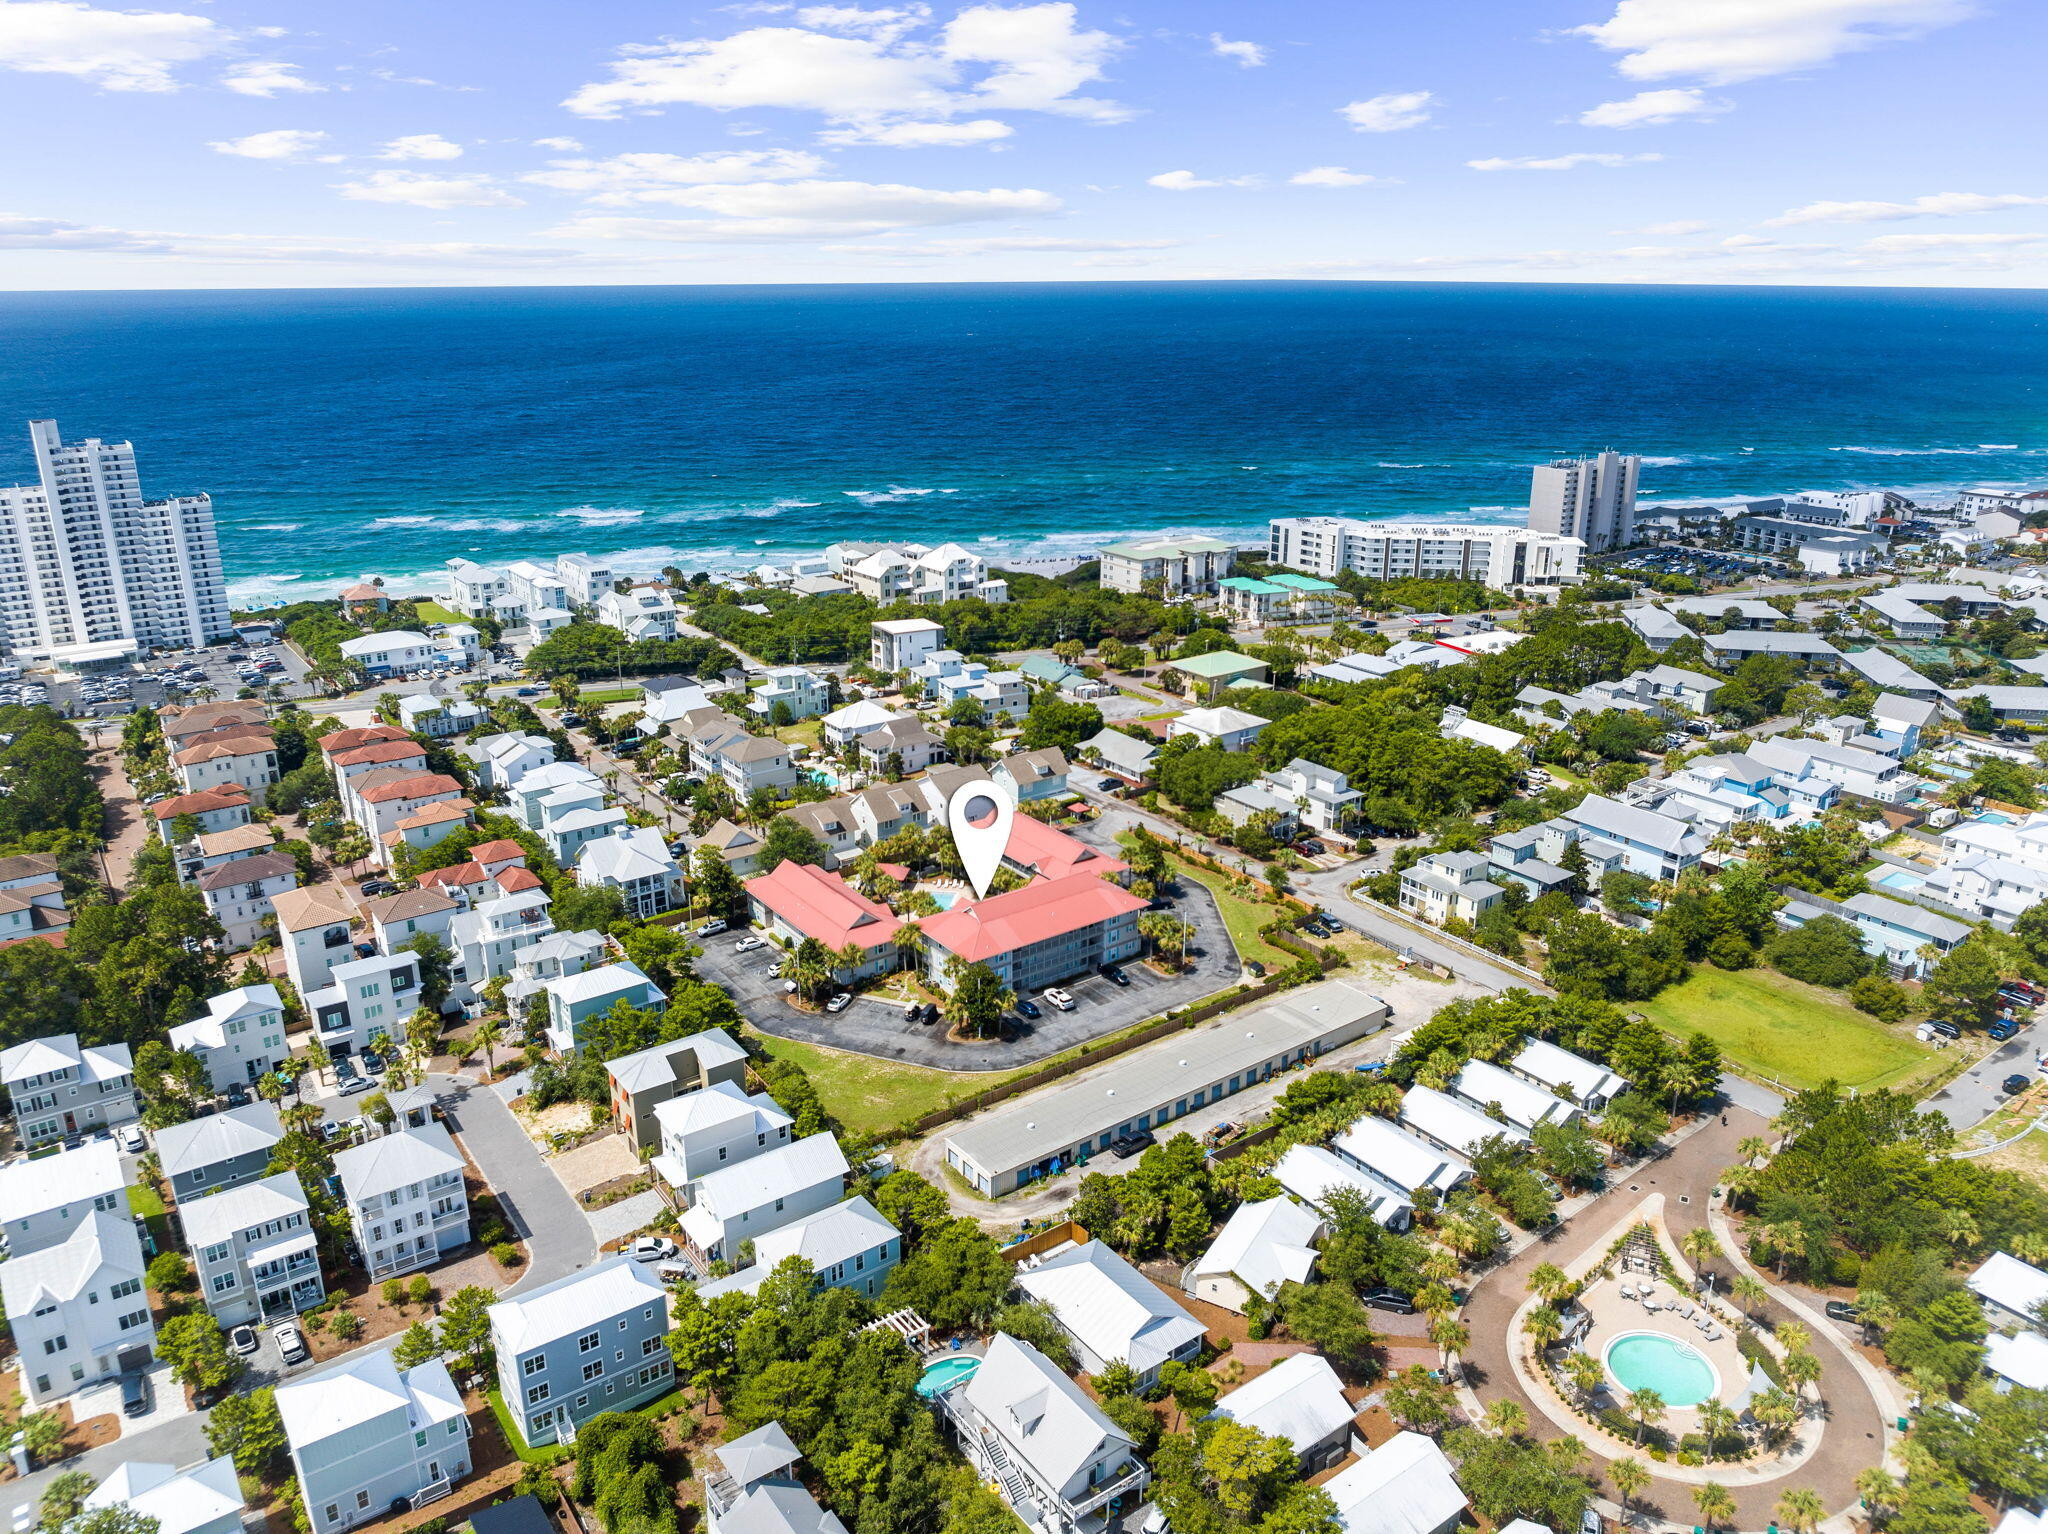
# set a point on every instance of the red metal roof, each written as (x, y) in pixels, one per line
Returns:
(823, 906)
(1052, 854)
(1043, 909)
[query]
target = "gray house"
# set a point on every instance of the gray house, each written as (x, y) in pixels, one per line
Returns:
(585, 1344)
(59, 1087)
(43, 1201)
(363, 1436)
(254, 1250)
(219, 1150)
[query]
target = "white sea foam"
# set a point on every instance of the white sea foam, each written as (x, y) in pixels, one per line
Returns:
(894, 493)
(275, 527)
(1933, 452)
(603, 516)
(1666, 463)
(405, 522)
(487, 525)
(1400, 466)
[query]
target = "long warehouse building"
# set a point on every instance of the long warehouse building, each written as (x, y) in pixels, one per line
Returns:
(1153, 1086)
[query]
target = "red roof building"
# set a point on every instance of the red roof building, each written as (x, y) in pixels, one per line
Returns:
(1036, 848)
(1048, 931)
(361, 735)
(379, 752)
(795, 901)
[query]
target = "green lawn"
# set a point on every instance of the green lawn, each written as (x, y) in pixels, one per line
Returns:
(1242, 916)
(551, 1454)
(1777, 1028)
(596, 695)
(434, 612)
(867, 1094)
(146, 1202)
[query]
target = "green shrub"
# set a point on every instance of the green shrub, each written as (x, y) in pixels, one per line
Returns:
(506, 1254)
(347, 1325)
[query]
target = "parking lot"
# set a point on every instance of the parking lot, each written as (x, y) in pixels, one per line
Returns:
(872, 1027)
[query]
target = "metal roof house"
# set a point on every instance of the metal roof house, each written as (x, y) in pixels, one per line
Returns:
(1113, 1313)
(1485, 1085)
(1313, 1174)
(1591, 1086)
(1301, 1400)
(1261, 1246)
(1452, 1124)
(1398, 1158)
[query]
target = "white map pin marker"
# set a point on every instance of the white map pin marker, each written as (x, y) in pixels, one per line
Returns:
(979, 816)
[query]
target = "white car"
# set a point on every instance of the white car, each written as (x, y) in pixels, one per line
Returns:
(655, 1249)
(1057, 998)
(131, 1140)
(291, 1343)
(748, 945)
(840, 1002)
(712, 927)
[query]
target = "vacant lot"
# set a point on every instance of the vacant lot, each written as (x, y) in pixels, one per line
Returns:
(1776, 1028)
(1241, 914)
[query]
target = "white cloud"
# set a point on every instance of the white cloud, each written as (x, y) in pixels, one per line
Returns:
(804, 210)
(1649, 108)
(1188, 181)
(1936, 205)
(20, 232)
(424, 189)
(1024, 58)
(278, 144)
(115, 50)
(1247, 55)
(421, 146)
(1329, 175)
(1389, 113)
(1725, 41)
(919, 135)
(1001, 244)
(1561, 161)
(267, 80)
(1910, 242)
(631, 178)
(565, 145)
(885, 22)
(1672, 226)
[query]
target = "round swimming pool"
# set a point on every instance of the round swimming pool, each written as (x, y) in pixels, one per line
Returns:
(945, 1374)
(1676, 1370)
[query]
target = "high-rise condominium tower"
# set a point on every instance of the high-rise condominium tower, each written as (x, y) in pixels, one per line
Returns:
(90, 571)
(1591, 499)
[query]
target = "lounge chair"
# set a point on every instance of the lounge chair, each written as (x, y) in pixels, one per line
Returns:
(1713, 1334)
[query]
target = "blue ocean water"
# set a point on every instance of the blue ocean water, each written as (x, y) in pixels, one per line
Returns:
(345, 433)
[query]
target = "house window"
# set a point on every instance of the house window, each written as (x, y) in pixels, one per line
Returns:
(533, 1365)
(362, 1500)
(333, 1511)
(592, 1370)
(649, 1345)
(535, 1394)
(588, 1341)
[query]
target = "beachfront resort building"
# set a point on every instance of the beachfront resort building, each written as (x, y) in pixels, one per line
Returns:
(1166, 567)
(1591, 499)
(91, 574)
(1501, 557)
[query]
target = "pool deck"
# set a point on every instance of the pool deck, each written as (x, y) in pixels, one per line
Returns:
(1613, 1316)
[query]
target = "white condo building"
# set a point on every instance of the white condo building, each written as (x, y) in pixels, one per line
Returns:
(90, 572)
(1502, 557)
(1593, 499)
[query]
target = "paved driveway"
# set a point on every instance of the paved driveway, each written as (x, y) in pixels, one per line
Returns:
(878, 1028)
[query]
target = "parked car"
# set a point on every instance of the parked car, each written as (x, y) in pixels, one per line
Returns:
(712, 928)
(242, 1340)
(134, 1394)
(914, 1013)
(291, 1343)
(237, 1095)
(1115, 975)
(1947, 1030)
(132, 1141)
(1389, 1300)
(1028, 1008)
(356, 1084)
(2015, 1084)
(1842, 1310)
(840, 1002)
(1131, 1144)
(655, 1249)
(1056, 997)
(2003, 1029)
(748, 944)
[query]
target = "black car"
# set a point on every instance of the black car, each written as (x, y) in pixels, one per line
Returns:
(1028, 1008)
(1946, 1030)
(237, 1095)
(1131, 1144)
(931, 1012)
(1842, 1310)
(2014, 1085)
(1390, 1301)
(134, 1394)
(372, 1062)
(1115, 976)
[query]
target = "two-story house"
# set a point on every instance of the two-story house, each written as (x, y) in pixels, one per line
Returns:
(849, 1246)
(254, 1250)
(556, 955)
(803, 692)
(395, 920)
(239, 895)
(1028, 1430)
(364, 1436)
(635, 861)
(1033, 774)
(575, 999)
(754, 1491)
(703, 1132)
(205, 1155)
(365, 998)
(77, 1309)
(643, 1081)
(60, 1087)
(313, 928)
(743, 1203)
(589, 1343)
(44, 1200)
(405, 1197)
(241, 1038)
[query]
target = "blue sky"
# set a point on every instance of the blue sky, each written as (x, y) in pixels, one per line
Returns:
(248, 143)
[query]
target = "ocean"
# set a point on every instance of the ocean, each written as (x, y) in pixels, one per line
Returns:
(383, 432)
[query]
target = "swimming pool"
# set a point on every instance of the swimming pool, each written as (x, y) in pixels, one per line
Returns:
(945, 1374)
(1899, 879)
(945, 898)
(1991, 818)
(826, 775)
(1652, 1361)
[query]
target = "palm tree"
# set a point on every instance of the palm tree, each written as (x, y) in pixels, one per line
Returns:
(1568, 1454)
(1716, 1418)
(907, 940)
(1802, 1369)
(1795, 1338)
(1627, 1476)
(489, 1034)
(1451, 1337)
(301, 1117)
(1714, 1503)
(1506, 1418)
(1700, 1247)
(1752, 1149)
(1548, 1280)
(1801, 1510)
(1584, 1371)
(1775, 1413)
(1647, 1407)
(1543, 1326)
(1439, 1266)
(1749, 1293)
(1434, 1299)
(1958, 1229)
(1880, 1493)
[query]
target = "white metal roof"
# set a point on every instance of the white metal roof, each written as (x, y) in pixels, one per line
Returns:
(393, 1160)
(1400, 1159)
(1405, 1486)
(362, 1390)
(1265, 1245)
(1552, 1066)
(1451, 1123)
(773, 1174)
(1041, 1416)
(1482, 1083)
(2022, 1359)
(50, 1182)
(218, 1216)
(1299, 1399)
(200, 1143)
(1312, 1174)
(2006, 1281)
(575, 1304)
(1110, 1307)
(178, 1502)
(719, 1103)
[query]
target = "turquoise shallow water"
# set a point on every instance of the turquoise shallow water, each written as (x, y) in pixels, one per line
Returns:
(386, 431)
(1651, 1361)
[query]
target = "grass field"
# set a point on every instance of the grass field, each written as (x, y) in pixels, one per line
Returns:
(434, 612)
(1777, 1028)
(597, 695)
(1242, 916)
